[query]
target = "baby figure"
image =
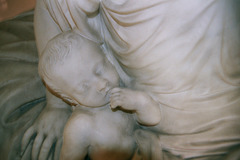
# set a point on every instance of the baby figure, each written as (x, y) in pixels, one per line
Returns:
(104, 116)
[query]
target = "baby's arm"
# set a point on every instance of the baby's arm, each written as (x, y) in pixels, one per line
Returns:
(146, 109)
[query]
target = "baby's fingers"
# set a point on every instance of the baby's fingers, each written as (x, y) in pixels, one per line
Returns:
(114, 103)
(116, 100)
(46, 147)
(26, 139)
(36, 146)
(115, 91)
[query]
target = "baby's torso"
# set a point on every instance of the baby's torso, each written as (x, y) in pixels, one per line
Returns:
(106, 116)
(123, 122)
(111, 133)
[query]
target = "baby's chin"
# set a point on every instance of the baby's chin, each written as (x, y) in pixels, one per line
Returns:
(103, 103)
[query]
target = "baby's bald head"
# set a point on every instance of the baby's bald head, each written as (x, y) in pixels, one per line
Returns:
(60, 51)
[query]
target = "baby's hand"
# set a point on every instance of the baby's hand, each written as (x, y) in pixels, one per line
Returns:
(47, 130)
(147, 110)
(124, 98)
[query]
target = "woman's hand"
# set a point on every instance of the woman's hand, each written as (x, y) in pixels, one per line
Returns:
(148, 145)
(46, 133)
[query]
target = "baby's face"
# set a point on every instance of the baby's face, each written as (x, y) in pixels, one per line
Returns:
(89, 77)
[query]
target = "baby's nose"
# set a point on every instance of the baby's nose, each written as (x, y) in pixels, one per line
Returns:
(102, 85)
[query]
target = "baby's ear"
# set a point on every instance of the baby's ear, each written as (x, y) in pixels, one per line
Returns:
(70, 101)
(74, 103)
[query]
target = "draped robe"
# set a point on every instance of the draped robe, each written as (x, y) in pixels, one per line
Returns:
(185, 54)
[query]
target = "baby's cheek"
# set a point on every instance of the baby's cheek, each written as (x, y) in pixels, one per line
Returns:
(114, 79)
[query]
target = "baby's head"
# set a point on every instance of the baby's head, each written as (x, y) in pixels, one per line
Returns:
(76, 69)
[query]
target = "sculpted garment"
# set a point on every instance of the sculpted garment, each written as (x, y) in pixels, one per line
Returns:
(22, 93)
(185, 53)
(188, 55)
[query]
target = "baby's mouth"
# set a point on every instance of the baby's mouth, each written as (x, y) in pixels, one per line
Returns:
(108, 93)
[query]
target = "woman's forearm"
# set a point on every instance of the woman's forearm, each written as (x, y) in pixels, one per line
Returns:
(44, 26)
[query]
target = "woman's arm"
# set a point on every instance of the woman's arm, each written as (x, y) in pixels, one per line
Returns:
(49, 126)
(44, 25)
(45, 29)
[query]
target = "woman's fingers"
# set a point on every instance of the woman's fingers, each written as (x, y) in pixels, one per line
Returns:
(46, 147)
(27, 153)
(144, 145)
(58, 149)
(26, 139)
(148, 144)
(36, 146)
(50, 157)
